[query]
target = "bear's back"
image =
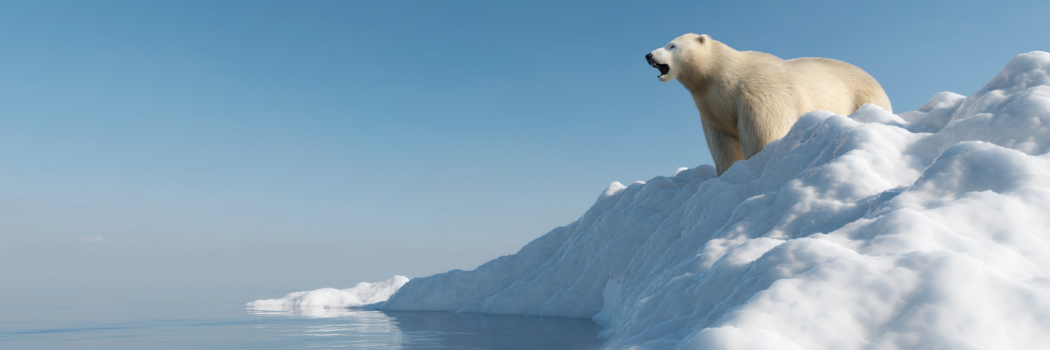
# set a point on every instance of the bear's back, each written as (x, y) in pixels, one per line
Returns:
(835, 86)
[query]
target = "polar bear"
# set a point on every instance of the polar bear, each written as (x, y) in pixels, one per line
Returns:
(747, 99)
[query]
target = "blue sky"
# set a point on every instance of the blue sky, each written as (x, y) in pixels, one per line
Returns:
(357, 140)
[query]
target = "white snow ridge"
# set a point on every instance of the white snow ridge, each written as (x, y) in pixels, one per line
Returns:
(927, 230)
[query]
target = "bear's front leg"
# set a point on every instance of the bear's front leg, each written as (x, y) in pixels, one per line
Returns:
(759, 124)
(725, 149)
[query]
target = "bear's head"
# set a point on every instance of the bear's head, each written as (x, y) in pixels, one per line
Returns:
(671, 58)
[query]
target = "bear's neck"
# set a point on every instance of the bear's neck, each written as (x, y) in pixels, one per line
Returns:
(716, 71)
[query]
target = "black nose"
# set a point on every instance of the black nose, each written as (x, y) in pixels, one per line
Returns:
(649, 58)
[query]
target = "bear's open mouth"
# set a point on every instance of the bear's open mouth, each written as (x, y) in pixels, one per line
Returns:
(662, 67)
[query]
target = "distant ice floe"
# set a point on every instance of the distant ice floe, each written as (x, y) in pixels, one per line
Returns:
(924, 230)
(330, 298)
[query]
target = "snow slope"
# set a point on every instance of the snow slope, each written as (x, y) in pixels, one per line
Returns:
(927, 230)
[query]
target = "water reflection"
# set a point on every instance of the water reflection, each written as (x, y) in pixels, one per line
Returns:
(170, 313)
(431, 330)
(303, 311)
(445, 330)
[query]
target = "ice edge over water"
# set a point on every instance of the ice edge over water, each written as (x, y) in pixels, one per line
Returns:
(927, 229)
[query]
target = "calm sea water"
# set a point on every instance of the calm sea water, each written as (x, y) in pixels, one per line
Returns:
(209, 313)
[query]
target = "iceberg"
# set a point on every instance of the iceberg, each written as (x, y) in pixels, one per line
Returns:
(924, 230)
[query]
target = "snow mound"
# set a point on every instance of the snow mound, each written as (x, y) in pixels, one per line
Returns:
(928, 229)
(360, 294)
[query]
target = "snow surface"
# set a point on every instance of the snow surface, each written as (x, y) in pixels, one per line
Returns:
(924, 230)
(360, 294)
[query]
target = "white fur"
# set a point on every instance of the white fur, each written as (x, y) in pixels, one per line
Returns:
(747, 99)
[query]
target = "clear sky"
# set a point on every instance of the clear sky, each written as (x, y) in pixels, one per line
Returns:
(355, 140)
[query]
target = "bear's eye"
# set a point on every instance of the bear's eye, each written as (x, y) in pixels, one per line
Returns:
(672, 47)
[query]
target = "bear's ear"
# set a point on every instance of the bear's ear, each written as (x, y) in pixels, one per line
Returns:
(703, 38)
